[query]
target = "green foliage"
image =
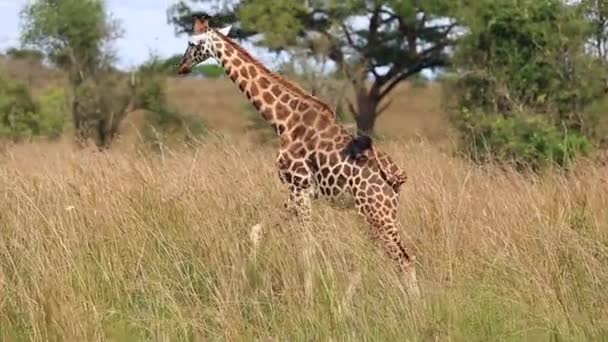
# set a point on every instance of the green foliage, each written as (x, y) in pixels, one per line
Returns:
(527, 54)
(53, 112)
(523, 57)
(163, 124)
(18, 111)
(72, 33)
(595, 119)
(30, 54)
(524, 140)
(277, 19)
(75, 35)
(209, 71)
(23, 117)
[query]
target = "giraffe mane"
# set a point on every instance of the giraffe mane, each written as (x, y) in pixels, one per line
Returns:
(276, 77)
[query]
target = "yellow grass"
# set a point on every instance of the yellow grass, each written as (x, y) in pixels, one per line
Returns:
(132, 246)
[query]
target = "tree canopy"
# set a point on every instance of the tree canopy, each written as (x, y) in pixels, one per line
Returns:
(375, 44)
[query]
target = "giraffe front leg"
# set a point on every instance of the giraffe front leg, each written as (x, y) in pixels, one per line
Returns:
(298, 179)
(300, 203)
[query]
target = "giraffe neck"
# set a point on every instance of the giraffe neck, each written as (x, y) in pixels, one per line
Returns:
(281, 103)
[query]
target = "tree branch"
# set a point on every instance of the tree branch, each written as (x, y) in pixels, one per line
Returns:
(412, 71)
(383, 108)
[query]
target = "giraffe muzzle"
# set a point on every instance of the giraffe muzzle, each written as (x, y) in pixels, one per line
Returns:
(183, 70)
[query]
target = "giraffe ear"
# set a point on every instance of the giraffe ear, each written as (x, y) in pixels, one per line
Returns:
(225, 30)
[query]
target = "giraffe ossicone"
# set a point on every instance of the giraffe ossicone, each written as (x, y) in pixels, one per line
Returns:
(198, 38)
(317, 156)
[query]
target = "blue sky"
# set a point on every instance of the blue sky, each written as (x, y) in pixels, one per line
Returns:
(144, 23)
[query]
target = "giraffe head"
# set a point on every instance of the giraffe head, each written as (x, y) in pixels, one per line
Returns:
(200, 45)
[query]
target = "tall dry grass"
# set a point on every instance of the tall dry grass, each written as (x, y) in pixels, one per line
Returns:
(131, 246)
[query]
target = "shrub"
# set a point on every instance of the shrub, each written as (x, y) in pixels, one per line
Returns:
(163, 124)
(52, 109)
(23, 117)
(523, 140)
(209, 71)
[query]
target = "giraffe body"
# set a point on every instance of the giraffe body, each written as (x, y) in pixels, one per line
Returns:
(317, 157)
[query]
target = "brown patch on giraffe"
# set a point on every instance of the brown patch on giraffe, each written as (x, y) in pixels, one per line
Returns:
(268, 98)
(311, 142)
(297, 132)
(253, 71)
(309, 118)
(341, 181)
(284, 141)
(255, 91)
(229, 50)
(293, 104)
(242, 85)
(236, 62)
(348, 171)
(233, 76)
(333, 158)
(267, 114)
(387, 191)
(293, 119)
(375, 179)
(281, 129)
(284, 98)
(325, 172)
(275, 90)
(331, 179)
(264, 82)
(322, 159)
(365, 173)
(330, 133)
(309, 134)
(257, 104)
(322, 123)
(244, 73)
(297, 150)
(218, 46)
(282, 112)
(303, 106)
(325, 145)
(297, 165)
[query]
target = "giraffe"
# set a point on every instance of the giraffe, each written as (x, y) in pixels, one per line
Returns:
(317, 156)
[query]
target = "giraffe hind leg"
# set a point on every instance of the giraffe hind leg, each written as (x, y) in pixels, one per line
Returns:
(384, 229)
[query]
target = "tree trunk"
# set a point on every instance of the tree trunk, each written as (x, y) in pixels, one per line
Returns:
(367, 112)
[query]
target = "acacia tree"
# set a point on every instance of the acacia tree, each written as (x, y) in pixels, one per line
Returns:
(376, 44)
(75, 36)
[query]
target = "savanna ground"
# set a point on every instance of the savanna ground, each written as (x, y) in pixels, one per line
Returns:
(132, 244)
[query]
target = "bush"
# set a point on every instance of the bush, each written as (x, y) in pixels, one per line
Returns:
(53, 110)
(23, 117)
(209, 71)
(528, 142)
(163, 124)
